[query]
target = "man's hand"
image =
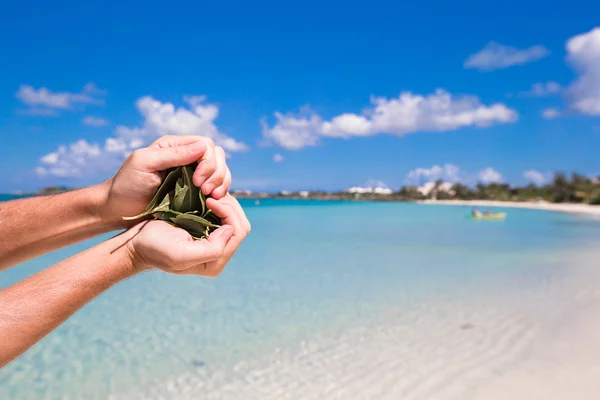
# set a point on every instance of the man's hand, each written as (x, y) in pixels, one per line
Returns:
(157, 244)
(132, 188)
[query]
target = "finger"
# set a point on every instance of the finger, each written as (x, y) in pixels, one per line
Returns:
(230, 210)
(155, 159)
(175, 140)
(220, 238)
(223, 209)
(206, 165)
(222, 190)
(196, 252)
(218, 176)
(241, 214)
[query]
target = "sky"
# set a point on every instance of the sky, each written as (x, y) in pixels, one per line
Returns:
(313, 95)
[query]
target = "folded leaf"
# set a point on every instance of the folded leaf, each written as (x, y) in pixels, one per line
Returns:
(193, 221)
(194, 199)
(181, 203)
(165, 187)
(179, 199)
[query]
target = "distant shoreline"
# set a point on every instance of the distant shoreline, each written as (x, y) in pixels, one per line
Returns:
(572, 208)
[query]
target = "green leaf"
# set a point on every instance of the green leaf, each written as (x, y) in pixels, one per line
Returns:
(180, 203)
(161, 194)
(202, 202)
(166, 215)
(195, 230)
(193, 221)
(211, 217)
(195, 197)
(166, 186)
(163, 206)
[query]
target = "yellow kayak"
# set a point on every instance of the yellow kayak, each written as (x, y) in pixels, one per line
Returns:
(488, 216)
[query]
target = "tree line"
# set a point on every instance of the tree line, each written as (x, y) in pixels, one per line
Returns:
(561, 189)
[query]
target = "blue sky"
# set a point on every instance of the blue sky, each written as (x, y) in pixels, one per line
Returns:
(366, 92)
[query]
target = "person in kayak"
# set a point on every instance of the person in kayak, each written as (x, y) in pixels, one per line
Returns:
(475, 212)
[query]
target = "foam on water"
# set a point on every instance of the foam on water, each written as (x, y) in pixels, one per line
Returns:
(325, 300)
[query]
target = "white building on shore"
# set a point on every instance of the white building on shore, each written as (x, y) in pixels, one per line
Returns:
(429, 187)
(374, 190)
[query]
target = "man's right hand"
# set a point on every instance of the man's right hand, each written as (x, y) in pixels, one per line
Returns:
(157, 244)
(133, 186)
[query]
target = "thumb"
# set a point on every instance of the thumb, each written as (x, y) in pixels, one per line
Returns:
(221, 236)
(156, 159)
(209, 249)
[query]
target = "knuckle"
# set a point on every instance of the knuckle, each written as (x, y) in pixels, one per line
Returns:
(136, 156)
(163, 141)
(218, 176)
(208, 164)
(179, 150)
(211, 166)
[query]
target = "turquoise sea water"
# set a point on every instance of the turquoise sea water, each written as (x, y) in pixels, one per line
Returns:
(308, 268)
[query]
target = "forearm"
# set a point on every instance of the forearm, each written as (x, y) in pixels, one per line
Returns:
(32, 308)
(34, 226)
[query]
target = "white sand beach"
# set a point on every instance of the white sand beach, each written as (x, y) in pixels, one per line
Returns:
(538, 205)
(493, 349)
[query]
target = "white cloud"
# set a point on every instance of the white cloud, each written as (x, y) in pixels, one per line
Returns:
(50, 159)
(166, 119)
(537, 177)
(94, 121)
(69, 161)
(293, 132)
(447, 173)
(550, 113)
(498, 56)
(489, 175)
(450, 174)
(583, 53)
(92, 89)
(43, 101)
(542, 89)
(83, 158)
(408, 113)
(278, 158)
(44, 97)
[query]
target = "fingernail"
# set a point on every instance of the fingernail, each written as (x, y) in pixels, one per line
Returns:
(197, 146)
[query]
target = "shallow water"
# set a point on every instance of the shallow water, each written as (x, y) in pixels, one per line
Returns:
(310, 274)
